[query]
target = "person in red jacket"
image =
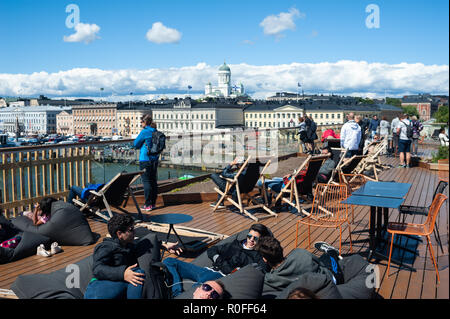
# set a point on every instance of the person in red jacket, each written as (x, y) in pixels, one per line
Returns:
(329, 133)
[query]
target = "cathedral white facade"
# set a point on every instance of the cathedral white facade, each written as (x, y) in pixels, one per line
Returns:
(224, 87)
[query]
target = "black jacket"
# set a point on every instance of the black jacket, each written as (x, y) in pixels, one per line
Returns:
(111, 259)
(233, 255)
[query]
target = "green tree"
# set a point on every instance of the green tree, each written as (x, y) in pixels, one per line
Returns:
(365, 101)
(394, 102)
(410, 110)
(441, 115)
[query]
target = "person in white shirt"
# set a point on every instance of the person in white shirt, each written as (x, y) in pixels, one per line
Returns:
(394, 125)
(443, 138)
(350, 136)
(404, 142)
(384, 127)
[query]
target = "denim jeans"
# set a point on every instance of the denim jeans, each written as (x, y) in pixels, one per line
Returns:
(150, 181)
(221, 184)
(181, 270)
(74, 192)
(107, 289)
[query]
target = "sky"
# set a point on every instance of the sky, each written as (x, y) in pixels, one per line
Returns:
(351, 47)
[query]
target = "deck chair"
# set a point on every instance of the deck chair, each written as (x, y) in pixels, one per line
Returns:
(339, 156)
(290, 193)
(328, 211)
(244, 184)
(373, 162)
(115, 193)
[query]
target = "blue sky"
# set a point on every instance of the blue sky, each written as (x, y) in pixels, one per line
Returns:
(32, 32)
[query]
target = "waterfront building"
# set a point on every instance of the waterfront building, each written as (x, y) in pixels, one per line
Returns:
(95, 119)
(425, 104)
(129, 120)
(64, 123)
(269, 115)
(30, 120)
(188, 116)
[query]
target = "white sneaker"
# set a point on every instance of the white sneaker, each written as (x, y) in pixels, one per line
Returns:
(42, 252)
(55, 248)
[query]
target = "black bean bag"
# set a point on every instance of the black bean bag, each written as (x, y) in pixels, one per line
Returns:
(246, 283)
(67, 226)
(355, 286)
(27, 245)
(63, 283)
(320, 284)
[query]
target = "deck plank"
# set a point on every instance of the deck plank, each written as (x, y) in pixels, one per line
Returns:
(399, 285)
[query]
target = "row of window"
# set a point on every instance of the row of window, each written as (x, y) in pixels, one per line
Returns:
(165, 116)
(277, 124)
(290, 115)
(189, 126)
(93, 111)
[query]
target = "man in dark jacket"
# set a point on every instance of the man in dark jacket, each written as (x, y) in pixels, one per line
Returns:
(373, 126)
(115, 269)
(226, 259)
(251, 172)
(327, 167)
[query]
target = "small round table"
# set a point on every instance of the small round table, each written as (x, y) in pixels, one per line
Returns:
(171, 219)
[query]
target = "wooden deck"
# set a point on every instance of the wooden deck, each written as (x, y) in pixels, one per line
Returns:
(401, 284)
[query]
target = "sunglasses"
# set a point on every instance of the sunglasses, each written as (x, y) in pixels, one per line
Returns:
(255, 238)
(214, 294)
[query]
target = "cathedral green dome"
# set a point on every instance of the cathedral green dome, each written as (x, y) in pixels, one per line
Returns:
(224, 67)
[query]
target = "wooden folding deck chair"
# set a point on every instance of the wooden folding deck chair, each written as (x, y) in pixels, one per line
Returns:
(243, 190)
(373, 162)
(115, 193)
(290, 193)
(352, 166)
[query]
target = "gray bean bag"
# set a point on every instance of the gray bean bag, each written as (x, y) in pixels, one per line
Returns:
(27, 245)
(245, 283)
(63, 283)
(67, 226)
(354, 287)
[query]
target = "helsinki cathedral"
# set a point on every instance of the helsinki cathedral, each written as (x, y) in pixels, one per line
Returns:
(224, 87)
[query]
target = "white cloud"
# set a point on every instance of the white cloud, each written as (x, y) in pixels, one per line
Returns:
(159, 33)
(275, 24)
(342, 77)
(84, 33)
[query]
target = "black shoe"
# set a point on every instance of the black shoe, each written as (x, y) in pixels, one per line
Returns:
(325, 247)
(214, 204)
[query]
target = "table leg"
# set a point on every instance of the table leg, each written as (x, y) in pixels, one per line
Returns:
(372, 221)
(179, 239)
(379, 224)
(386, 218)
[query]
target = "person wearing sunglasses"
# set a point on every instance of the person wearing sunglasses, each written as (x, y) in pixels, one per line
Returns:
(115, 269)
(226, 259)
(209, 290)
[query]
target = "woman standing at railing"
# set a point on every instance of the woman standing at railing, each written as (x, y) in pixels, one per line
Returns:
(148, 163)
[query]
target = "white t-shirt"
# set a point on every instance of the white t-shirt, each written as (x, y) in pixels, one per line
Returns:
(402, 125)
(444, 139)
(394, 125)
